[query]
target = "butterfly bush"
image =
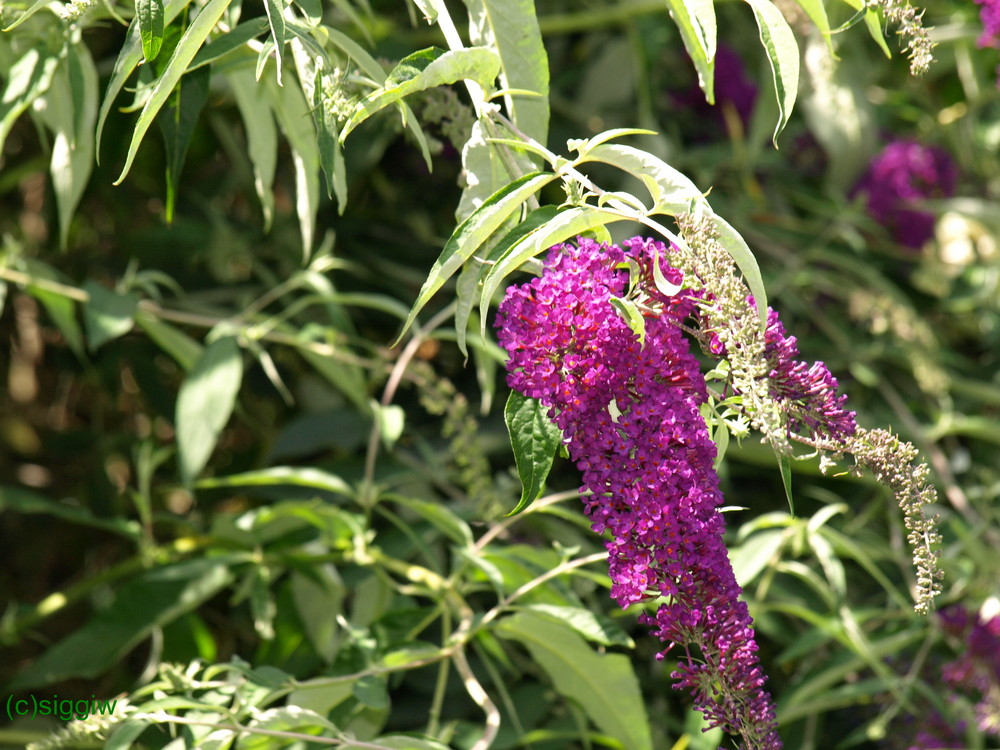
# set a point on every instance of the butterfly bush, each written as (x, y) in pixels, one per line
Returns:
(903, 172)
(629, 408)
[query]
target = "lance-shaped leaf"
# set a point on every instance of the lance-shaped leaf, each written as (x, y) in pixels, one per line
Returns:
(629, 313)
(695, 20)
(783, 55)
(177, 126)
(149, 14)
(473, 232)
(535, 440)
(187, 48)
(205, 402)
(275, 19)
(262, 136)
(672, 192)
(423, 70)
(511, 28)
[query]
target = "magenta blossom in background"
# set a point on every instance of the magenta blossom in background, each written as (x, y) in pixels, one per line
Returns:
(906, 171)
(989, 14)
(630, 417)
(732, 87)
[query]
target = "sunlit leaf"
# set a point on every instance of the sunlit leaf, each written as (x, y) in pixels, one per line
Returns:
(534, 439)
(695, 20)
(783, 55)
(149, 14)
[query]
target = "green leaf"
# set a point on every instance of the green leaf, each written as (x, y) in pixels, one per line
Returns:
(816, 10)
(147, 602)
(535, 439)
(107, 315)
(440, 516)
(511, 28)
(695, 20)
(262, 136)
(603, 685)
(177, 123)
(628, 312)
(737, 247)
(149, 14)
(473, 232)
(423, 70)
(170, 339)
(284, 719)
(785, 467)
(279, 476)
(289, 105)
(69, 109)
(205, 401)
(319, 598)
(758, 552)
(783, 55)
(27, 79)
(128, 58)
(275, 19)
(25, 501)
(672, 192)
(187, 48)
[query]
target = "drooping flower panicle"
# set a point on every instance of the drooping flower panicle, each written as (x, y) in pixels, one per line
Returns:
(630, 418)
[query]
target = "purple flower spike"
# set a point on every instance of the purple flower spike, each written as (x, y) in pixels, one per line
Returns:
(630, 416)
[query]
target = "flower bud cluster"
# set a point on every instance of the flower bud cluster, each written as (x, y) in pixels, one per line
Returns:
(630, 417)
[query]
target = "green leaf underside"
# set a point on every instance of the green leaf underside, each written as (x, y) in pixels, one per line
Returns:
(423, 70)
(535, 439)
(672, 192)
(695, 20)
(205, 402)
(782, 54)
(473, 232)
(603, 685)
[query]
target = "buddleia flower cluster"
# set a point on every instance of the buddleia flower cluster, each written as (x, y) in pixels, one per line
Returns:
(627, 396)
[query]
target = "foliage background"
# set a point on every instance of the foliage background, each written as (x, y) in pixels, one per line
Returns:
(344, 549)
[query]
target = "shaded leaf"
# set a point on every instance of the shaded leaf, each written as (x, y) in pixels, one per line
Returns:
(205, 402)
(107, 315)
(25, 501)
(177, 122)
(280, 476)
(170, 339)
